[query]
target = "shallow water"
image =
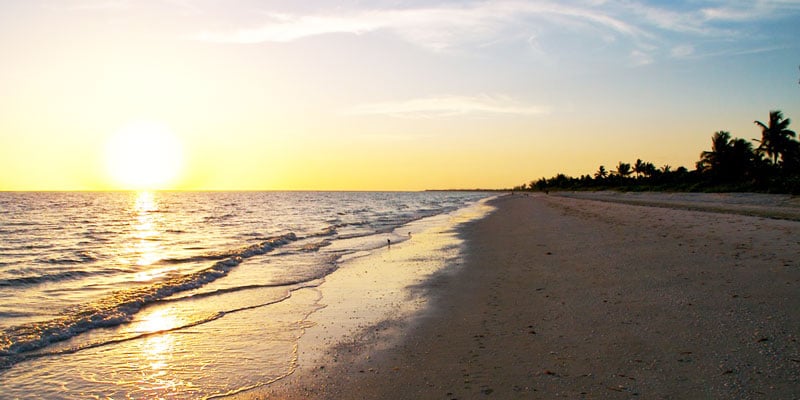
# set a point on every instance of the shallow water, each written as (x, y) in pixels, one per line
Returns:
(188, 295)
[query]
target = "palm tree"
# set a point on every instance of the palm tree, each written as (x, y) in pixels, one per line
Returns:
(648, 169)
(624, 169)
(601, 173)
(776, 137)
(712, 160)
(729, 159)
(790, 158)
(740, 159)
(638, 168)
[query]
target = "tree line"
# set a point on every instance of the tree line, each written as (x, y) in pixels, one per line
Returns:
(772, 165)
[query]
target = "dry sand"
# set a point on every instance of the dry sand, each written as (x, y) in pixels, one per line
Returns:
(574, 298)
(782, 206)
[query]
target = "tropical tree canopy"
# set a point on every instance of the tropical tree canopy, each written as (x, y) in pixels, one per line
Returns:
(729, 159)
(776, 138)
(638, 167)
(731, 164)
(601, 172)
(624, 169)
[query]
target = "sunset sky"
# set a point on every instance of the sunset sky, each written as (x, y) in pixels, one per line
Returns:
(381, 95)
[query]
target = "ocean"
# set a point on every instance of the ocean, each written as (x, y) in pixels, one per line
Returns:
(183, 294)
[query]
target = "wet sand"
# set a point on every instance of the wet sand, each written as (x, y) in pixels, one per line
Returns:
(575, 298)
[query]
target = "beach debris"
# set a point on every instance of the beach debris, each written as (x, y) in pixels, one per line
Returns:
(548, 372)
(621, 388)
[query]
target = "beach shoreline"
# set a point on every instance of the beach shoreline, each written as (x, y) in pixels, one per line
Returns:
(575, 298)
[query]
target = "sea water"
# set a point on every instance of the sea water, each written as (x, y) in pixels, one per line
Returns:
(177, 294)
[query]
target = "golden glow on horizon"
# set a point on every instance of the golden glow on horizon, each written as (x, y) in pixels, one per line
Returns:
(144, 155)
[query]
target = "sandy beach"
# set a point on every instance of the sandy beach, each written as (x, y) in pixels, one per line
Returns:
(578, 298)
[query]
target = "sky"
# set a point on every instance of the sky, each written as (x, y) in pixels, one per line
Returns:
(380, 95)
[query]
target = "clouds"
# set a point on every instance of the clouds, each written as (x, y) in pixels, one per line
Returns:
(286, 28)
(551, 38)
(750, 10)
(449, 106)
(434, 27)
(642, 30)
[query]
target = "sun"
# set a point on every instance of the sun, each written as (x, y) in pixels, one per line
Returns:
(144, 155)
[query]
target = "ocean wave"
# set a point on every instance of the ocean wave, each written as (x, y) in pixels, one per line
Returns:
(8, 360)
(195, 296)
(212, 218)
(16, 314)
(251, 234)
(52, 277)
(77, 257)
(121, 306)
(245, 252)
(315, 246)
(37, 246)
(23, 223)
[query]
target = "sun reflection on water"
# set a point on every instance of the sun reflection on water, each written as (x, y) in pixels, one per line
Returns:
(157, 353)
(145, 201)
(145, 247)
(156, 321)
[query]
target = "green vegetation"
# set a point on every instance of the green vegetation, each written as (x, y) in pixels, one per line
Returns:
(732, 164)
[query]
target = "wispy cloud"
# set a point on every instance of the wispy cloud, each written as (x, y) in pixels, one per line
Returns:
(435, 27)
(748, 51)
(660, 18)
(645, 32)
(286, 28)
(749, 10)
(449, 106)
